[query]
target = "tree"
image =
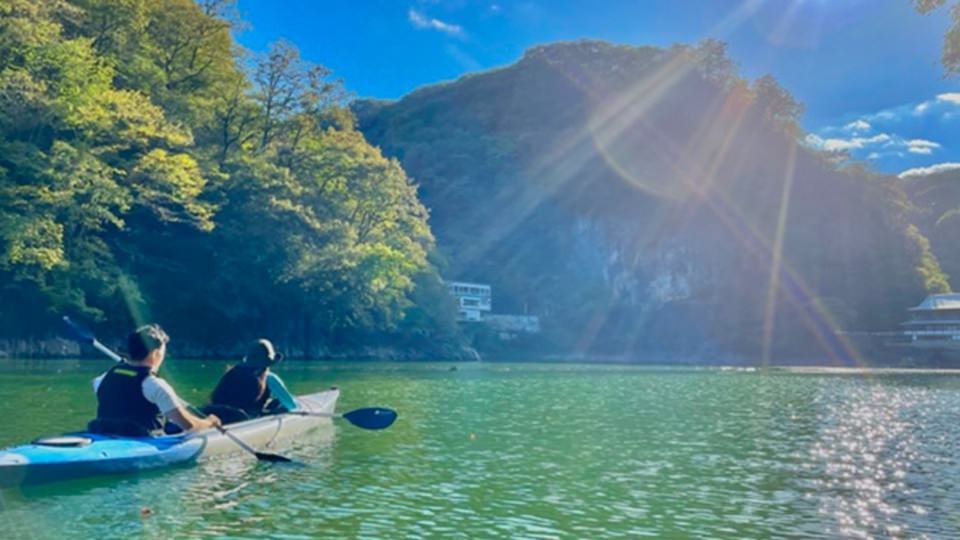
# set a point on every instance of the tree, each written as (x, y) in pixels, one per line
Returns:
(76, 154)
(776, 103)
(950, 55)
(150, 169)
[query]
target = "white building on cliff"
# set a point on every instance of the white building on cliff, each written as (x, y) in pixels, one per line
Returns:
(475, 302)
(473, 299)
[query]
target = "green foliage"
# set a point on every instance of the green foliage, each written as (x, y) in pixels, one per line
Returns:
(950, 55)
(935, 205)
(148, 168)
(776, 103)
(934, 280)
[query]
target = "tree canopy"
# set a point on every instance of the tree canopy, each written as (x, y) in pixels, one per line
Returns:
(151, 169)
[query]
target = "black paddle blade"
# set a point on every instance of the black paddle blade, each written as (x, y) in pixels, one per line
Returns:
(76, 331)
(273, 458)
(371, 417)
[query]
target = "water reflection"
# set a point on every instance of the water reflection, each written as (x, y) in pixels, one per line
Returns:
(881, 453)
(560, 452)
(215, 497)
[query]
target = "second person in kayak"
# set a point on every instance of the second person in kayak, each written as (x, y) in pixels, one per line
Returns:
(251, 387)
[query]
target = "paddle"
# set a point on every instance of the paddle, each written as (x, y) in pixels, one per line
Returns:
(262, 456)
(366, 417)
(82, 334)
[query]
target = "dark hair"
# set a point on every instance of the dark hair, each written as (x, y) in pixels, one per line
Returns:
(262, 354)
(144, 340)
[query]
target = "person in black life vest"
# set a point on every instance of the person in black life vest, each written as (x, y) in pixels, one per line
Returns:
(132, 400)
(251, 387)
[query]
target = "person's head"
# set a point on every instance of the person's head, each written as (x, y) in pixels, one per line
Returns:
(261, 355)
(148, 344)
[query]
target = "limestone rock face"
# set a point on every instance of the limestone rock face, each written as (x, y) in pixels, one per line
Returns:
(642, 199)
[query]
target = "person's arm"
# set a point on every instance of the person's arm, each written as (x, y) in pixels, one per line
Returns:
(279, 391)
(161, 394)
(187, 420)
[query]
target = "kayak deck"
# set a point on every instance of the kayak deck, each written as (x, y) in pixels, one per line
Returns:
(264, 431)
(54, 459)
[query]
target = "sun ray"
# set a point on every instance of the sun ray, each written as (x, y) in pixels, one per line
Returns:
(769, 316)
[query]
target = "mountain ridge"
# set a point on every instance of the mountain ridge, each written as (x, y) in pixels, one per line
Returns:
(644, 198)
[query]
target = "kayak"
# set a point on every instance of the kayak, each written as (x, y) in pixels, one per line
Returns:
(80, 454)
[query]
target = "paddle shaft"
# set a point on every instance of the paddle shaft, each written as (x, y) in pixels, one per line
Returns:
(237, 440)
(312, 413)
(262, 456)
(373, 418)
(103, 348)
(82, 334)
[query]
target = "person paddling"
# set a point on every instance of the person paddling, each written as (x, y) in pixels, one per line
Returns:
(132, 400)
(251, 387)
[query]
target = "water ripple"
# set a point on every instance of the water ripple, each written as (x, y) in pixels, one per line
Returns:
(563, 452)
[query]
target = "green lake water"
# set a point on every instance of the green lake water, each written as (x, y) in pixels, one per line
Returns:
(530, 451)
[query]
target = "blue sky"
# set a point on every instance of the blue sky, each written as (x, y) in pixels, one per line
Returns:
(867, 71)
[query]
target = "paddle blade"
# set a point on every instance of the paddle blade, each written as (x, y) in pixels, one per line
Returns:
(77, 332)
(371, 417)
(272, 458)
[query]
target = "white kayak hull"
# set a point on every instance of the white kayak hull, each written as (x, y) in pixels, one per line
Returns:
(267, 432)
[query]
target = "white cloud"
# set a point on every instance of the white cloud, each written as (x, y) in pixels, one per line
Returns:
(420, 20)
(879, 145)
(814, 140)
(949, 100)
(904, 135)
(941, 105)
(921, 146)
(878, 138)
(858, 126)
(834, 144)
(932, 169)
(909, 117)
(840, 144)
(950, 97)
(885, 115)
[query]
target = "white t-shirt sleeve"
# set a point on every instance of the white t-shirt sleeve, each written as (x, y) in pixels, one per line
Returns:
(161, 394)
(96, 382)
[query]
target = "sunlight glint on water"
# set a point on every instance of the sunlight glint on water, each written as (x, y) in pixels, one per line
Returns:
(536, 451)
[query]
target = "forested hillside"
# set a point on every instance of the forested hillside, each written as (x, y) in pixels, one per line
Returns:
(643, 199)
(935, 209)
(637, 199)
(151, 170)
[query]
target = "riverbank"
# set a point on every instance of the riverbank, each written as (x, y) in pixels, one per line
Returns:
(57, 347)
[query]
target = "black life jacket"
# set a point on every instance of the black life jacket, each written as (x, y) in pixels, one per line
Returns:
(239, 388)
(121, 407)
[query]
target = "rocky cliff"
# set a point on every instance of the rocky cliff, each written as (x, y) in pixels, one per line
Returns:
(643, 199)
